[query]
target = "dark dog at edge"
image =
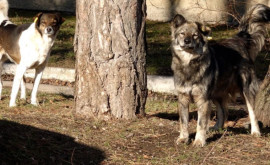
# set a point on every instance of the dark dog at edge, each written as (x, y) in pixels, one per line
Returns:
(206, 71)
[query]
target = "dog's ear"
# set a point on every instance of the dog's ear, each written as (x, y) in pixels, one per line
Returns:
(178, 20)
(205, 30)
(37, 18)
(60, 18)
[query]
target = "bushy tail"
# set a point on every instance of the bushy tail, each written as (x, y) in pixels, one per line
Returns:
(254, 24)
(3, 10)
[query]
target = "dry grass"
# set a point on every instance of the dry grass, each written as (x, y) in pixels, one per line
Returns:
(51, 134)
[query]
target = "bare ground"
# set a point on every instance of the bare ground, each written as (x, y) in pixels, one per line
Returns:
(52, 134)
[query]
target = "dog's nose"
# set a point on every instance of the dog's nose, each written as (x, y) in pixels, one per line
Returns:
(49, 29)
(187, 40)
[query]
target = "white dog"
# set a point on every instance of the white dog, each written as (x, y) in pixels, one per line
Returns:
(28, 46)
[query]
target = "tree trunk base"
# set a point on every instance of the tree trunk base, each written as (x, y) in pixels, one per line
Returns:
(262, 106)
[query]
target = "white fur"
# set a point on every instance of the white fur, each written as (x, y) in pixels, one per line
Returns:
(3, 10)
(255, 130)
(185, 56)
(35, 51)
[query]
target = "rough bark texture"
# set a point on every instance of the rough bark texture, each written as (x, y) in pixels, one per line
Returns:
(262, 106)
(110, 58)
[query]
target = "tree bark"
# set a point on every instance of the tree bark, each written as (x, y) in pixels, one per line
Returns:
(262, 105)
(110, 58)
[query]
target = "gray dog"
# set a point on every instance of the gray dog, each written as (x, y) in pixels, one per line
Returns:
(206, 71)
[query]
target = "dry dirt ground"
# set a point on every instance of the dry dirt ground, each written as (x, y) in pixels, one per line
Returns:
(52, 134)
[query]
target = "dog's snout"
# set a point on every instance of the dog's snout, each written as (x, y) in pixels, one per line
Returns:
(187, 40)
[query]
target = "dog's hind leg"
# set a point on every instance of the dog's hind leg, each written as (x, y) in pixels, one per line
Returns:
(250, 102)
(250, 88)
(222, 114)
(1, 83)
(38, 75)
(204, 110)
(2, 60)
(183, 108)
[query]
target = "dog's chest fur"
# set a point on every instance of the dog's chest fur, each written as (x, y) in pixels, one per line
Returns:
(185, 57)
(24, 40)
(189, 71)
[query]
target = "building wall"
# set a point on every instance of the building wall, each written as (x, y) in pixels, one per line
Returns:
(51, 5)
(209, 11)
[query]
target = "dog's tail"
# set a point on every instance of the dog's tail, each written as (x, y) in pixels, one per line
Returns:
(3, 10)
(253, 24)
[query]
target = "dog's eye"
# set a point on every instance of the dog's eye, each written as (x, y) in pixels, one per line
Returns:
(195, 35)
(182, 33)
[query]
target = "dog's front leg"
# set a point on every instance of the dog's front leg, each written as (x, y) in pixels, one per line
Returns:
(183, 108)
(23, 89)
(20, 70)
(38, 75)
(202, 123)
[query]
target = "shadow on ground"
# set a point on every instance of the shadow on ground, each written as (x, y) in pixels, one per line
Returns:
(234, 115)
(22, 144)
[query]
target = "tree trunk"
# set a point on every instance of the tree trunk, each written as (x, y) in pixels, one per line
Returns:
(262, 106)
(110, 58)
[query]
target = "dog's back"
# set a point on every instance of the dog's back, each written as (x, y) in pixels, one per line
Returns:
(9, 40)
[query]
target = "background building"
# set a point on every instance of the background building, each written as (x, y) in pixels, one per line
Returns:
(209, 11)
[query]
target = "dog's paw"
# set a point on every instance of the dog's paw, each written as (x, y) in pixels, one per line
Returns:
(180, 140)
(256, 133)
(12, 104)
(35, 103)
(213, 129)
(199, 143)
(22, 98)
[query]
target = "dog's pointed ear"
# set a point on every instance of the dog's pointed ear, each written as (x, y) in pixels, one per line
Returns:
(205, 30)
(178, 20)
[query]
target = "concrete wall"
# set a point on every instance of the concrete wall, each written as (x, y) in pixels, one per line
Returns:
(203, 10)
(209, 11)
(58, 5)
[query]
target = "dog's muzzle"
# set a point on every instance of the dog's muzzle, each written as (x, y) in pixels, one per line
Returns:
(49, 30)
(188, 44)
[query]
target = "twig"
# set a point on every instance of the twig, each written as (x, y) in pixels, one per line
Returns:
(213, 147)
(71, 159)
(155, 5)
(198, 6)
(235, 122)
